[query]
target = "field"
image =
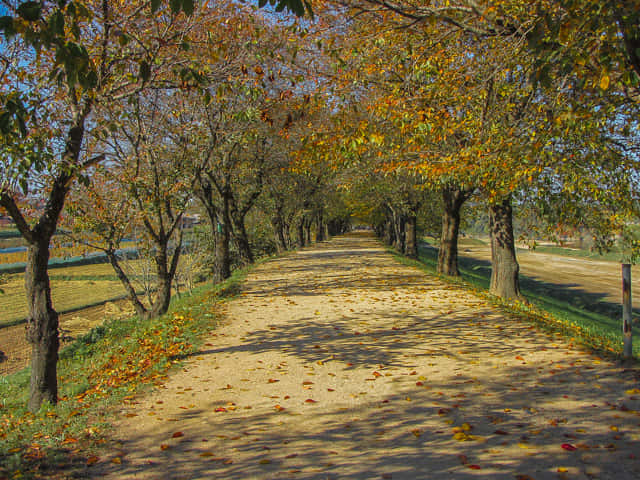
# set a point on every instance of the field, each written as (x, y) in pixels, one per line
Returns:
(72, 288)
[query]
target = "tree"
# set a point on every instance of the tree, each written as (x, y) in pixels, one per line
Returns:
(145, 189)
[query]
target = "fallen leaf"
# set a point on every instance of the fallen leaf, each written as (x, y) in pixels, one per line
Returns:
(92, 460)
(163, 446)
(116, 460)
(568, 447)
(206, 454)
(265, 461)
(310, 400)
(177, 435)
(273, 380)
(474, 467)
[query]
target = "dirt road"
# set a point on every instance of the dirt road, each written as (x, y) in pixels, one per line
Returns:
(600, 278)
(339, 363)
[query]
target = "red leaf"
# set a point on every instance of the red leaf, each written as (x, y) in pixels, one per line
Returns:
(568, 446)
(177, 435)
(220, 409)
(309, 400)
(474, 467)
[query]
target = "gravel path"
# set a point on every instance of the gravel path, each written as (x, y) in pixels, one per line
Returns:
(339, 363)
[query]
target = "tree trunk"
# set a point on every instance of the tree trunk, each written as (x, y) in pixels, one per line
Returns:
(242, 239)
(453, 199)
(122, 276)
(300, 229)
(165, 278)
(42, 327)
(307, 232)
(389, 232)
(505, 268)
(411, 236)
(277, 223)
(399, 225)
(223, 238)
(320, 232)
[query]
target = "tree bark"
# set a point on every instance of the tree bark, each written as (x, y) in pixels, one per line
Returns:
(279, 232)
(300, 230)
(411, 236)
(42, 327)
(453, 199)
(223, 238)
(389, 232)
(399, 225)
(242, 239)
(278, 224)
(320, 232)
(505, 268)
(307, 231)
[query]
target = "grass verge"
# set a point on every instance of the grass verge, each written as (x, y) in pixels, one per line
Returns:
(584, 320)
(103, 369)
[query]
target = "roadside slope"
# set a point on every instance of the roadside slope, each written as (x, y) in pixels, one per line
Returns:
(338, 362)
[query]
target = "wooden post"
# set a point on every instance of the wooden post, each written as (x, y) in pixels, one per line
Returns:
(627, 349)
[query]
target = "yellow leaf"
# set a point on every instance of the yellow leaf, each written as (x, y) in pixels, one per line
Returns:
(604, 82)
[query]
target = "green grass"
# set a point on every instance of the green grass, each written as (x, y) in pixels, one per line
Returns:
(102, 370)
(594, 323)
